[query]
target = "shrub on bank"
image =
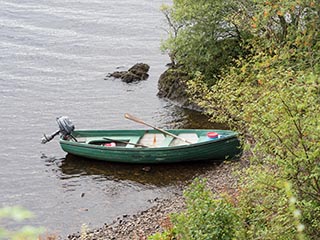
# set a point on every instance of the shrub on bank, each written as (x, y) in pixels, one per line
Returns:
(18, 214)
(203, 210)
(270, 94)
(256, 213)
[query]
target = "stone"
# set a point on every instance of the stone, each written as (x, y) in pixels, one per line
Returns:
(137, 72)
(172, 85)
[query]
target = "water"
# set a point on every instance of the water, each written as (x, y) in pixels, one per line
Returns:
(54, 56)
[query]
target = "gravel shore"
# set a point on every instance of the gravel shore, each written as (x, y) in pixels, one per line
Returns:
(155, 219)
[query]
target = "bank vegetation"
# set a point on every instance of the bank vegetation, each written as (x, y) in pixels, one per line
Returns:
(253, 64)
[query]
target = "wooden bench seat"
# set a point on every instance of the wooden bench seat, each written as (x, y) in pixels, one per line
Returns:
(133, 140)
(203, 139)
(166, 142)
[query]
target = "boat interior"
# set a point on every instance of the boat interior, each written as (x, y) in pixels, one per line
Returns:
(149, 140)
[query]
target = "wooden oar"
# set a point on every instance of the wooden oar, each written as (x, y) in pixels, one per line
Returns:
(135, 144)
(130, 117)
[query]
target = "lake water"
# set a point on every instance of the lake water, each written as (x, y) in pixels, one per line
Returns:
(54, 56)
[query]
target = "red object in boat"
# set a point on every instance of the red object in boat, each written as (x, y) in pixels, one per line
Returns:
(111, 144)
(212, 134)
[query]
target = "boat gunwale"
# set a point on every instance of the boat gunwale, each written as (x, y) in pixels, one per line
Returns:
(162, 148)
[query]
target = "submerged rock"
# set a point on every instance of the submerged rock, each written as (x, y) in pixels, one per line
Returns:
(137, 72)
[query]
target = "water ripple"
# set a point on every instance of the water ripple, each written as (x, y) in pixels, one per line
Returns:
(54, 57)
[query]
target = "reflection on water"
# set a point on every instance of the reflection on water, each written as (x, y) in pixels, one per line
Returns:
(148, 175)
(97, 192)
(176, 117)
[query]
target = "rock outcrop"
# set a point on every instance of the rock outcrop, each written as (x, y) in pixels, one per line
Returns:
(172, 85)
(137, 72)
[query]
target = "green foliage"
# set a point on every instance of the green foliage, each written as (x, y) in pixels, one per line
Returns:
(205, 216)
(204, 35)
(18, 214)
(296, 213)
(271, 94)
(266, 207)
(166, 235)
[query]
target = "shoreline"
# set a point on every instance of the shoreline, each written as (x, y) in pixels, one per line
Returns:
(156, 219)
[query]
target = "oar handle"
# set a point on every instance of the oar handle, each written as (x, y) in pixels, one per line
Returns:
(133, 118)
(130, 117)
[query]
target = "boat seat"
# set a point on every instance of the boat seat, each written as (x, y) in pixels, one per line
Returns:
(133, 140)
(166, 142)
(81, 139)
(152, 139)
(191, 137)
(203, 139)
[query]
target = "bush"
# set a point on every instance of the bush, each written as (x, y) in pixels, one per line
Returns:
(271, 95)
(267, 207)
(204, 218)
(18, 214)
(204, 35)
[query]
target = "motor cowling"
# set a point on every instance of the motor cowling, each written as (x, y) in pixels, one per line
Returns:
(66, 127)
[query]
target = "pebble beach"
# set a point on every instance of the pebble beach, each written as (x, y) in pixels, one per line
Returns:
(157, 218)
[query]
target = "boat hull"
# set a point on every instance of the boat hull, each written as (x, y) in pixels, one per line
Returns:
(217, 150)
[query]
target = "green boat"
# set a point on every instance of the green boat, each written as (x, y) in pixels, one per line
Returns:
(148, 146)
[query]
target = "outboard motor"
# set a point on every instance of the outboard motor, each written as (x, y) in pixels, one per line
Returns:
(66, 127)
